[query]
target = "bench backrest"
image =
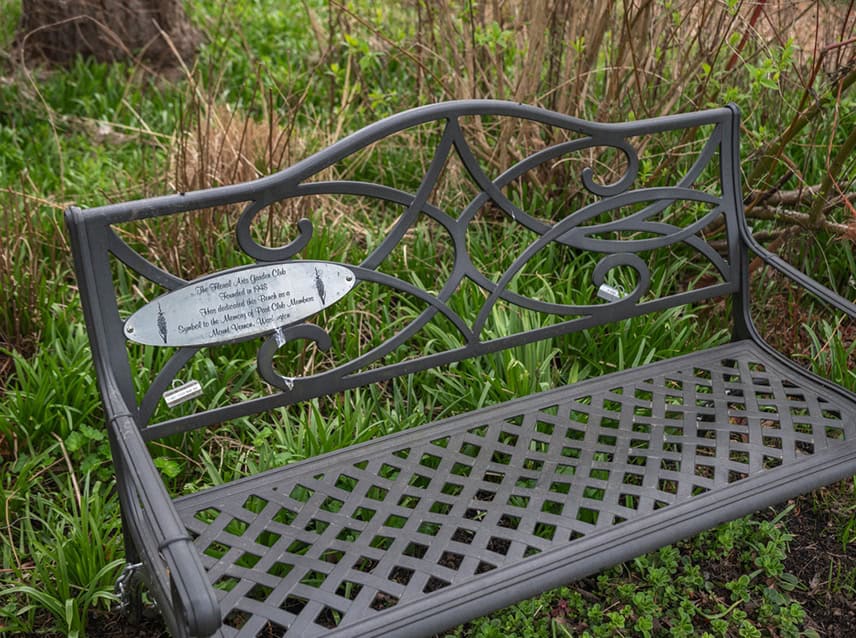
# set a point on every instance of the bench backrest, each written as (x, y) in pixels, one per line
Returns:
(579, 253)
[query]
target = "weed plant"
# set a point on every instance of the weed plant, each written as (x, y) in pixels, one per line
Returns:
(277, 81)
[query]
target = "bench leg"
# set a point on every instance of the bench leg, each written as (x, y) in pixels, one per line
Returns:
(129, 584)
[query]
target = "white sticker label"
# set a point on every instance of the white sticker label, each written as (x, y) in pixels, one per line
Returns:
(184, 392)
(609, 293)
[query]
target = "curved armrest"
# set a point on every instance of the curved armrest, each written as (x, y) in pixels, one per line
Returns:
(191, 591)
(161, 538)
(819, 290)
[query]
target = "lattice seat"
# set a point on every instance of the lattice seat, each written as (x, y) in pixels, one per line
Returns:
(414, 533)
(337, 540)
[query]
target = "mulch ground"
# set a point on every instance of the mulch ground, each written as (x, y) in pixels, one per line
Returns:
(818, 558)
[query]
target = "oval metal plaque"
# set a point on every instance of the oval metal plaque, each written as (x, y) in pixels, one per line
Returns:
(239, 303)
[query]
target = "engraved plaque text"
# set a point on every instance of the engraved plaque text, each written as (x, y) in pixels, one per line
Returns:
(239, 303)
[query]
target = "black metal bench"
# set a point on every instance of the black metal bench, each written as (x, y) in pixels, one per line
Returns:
(418, 531)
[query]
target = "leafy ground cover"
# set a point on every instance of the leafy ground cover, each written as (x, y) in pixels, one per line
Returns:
(276, 81)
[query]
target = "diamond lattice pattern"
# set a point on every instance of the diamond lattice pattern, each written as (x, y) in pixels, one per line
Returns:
(311, 551)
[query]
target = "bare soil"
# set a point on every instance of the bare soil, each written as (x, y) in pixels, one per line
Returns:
(819, 559)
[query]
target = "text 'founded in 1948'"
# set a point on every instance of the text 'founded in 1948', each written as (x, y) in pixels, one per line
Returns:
(239, 303)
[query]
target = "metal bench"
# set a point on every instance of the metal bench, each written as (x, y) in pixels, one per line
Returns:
(418, 531)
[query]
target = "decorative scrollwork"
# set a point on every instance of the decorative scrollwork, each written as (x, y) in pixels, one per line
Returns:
(615, 241)
(583, 237)
(610, 262)
(569, 231)
(274, 342)
(566, 229)
(622, 183)
(265, 253)
(314, 333)
(492, 189)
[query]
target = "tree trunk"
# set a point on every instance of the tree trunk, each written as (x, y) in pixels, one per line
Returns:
(158, 31)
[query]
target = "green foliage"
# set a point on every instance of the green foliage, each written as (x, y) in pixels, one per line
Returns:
(32, 268)
(310, 72)
(831, 356)
(53, 393)
(54, 126)
(11, 12)
(675, 591)
(73, 538)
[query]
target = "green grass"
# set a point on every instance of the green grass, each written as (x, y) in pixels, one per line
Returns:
(94, 133)
(79, 552)
(11, 12)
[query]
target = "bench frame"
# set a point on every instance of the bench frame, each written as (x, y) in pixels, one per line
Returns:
(157, 538)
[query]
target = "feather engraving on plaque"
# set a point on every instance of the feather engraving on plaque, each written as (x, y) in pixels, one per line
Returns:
(161, 324)
(319, 286)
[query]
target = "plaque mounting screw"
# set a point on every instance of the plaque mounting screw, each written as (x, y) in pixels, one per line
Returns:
(129, 329)
(349, 277)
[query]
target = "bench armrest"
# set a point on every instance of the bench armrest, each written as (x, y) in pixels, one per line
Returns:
(818, 290)
(173, 566)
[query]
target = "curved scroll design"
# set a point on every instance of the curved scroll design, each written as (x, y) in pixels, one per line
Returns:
(610, 262)
(623, 183)
(491, 189)
(566, 227)
(570, 231)
(264, 253)
(277, 340)
(581, 237)
(268, 349)
(578, 230)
